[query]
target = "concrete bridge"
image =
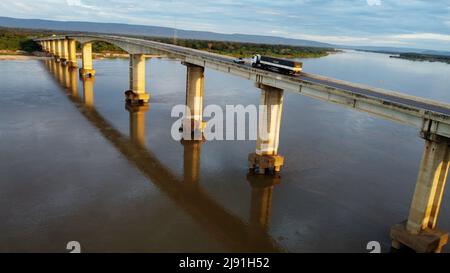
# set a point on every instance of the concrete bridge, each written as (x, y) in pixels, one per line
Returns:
(431, 118)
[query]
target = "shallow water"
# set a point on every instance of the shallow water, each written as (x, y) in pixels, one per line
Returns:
(75, 164)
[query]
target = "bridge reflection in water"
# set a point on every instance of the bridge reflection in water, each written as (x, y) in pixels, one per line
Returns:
(234, 233)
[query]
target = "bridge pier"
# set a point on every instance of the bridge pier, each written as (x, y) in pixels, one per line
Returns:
(137, 123)
(59, 51)
(137, 94)
(72, 53)
(64, 52)
(266, 157)
(419, 231)
(87, 71)
(193, 122)
(53, 47)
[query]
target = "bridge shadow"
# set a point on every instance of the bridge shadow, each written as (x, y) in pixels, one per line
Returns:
(235, 234)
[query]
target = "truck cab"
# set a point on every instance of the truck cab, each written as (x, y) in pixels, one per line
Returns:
(255, 60)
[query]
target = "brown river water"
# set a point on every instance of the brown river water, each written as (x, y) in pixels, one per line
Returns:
(77, 165)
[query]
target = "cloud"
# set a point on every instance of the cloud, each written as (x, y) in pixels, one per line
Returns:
(416, 23)
(423, 36)
(374, 2)
(79, 4)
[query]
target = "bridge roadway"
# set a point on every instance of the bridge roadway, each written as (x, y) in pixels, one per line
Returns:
(424, 114)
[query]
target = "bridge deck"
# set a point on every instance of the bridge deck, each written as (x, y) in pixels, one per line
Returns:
(392, 98)
(410, 110)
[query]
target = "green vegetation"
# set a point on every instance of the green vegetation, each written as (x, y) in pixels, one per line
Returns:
(13, 40)
(234, 49)
(102, 47)
(237, 49)
(423, 57)
(21, 40)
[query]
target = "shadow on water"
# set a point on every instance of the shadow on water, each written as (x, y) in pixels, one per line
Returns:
(235, 234)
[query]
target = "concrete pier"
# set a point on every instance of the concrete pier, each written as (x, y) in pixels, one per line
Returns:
(72, 54)
(266, 157)
(419, 231)
(137, 123)
(137, 94)
(193, 121)
(59, 49)
(64, 51)
(87, 70)
(53, 47)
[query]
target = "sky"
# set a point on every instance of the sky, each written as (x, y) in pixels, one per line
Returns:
(396, 23)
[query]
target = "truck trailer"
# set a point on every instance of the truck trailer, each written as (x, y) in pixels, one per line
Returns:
(277, 65)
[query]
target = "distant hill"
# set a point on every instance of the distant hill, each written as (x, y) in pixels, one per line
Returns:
(126, 29)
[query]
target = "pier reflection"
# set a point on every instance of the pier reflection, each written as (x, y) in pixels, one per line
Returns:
(137, 123)
(235, 234)
(261, 199)
(88, 92)
(191, 161)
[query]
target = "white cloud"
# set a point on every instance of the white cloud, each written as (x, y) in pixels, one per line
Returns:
(422, 36)
(78, 3)
(374, 2)
(332, 39)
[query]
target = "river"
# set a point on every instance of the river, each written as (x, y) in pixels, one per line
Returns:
(77, 165)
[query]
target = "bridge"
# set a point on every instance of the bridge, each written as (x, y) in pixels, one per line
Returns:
(431, 118)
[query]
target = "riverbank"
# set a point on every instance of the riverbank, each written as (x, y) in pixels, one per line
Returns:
(423, 57)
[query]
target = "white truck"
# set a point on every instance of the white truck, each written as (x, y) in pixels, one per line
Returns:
(277, 65)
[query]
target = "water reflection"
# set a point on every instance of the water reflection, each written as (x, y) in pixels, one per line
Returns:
(137, 123)
(261, 200)
(191, 161)
(88, 92)
(235, 234)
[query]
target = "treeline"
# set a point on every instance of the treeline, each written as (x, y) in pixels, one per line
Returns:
(17, 39)
(22, 40)
(423, 57)
(238, 49)
(234, 49)
(102, 47)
